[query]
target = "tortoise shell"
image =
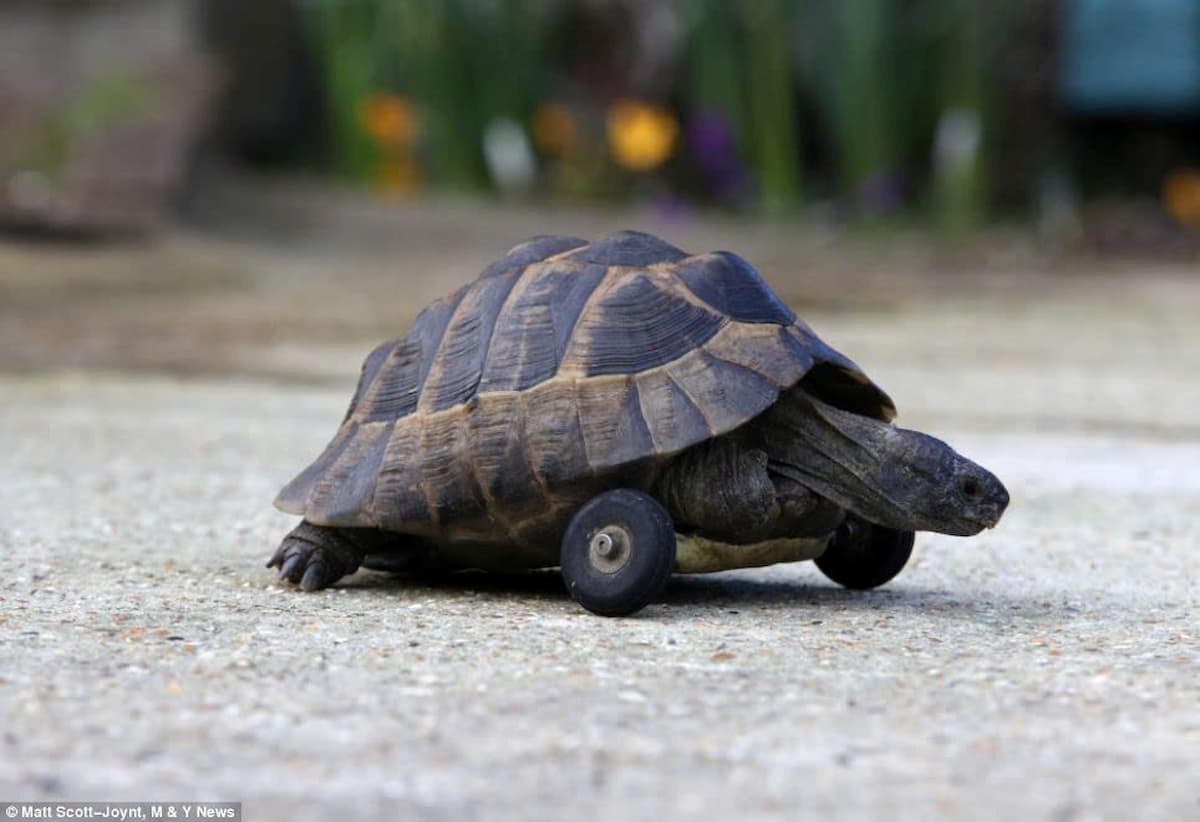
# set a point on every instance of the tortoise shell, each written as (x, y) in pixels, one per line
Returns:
(565, 368)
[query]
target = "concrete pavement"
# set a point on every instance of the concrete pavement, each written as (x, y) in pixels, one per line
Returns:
(1048, 669)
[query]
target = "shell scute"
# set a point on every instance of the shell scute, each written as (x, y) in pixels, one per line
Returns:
(554, 441)
(457, 366)
(673, 418)
(400, 499)
(639, 323)
(393, 390)
(727, 394)
(614, 430)
(532, 332)
(534, 250)
(733, 288)
(629, 248)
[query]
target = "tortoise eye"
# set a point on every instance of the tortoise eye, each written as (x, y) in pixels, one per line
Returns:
(970, 488)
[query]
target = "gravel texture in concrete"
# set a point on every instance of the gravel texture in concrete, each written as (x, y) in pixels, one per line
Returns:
(1047, 669)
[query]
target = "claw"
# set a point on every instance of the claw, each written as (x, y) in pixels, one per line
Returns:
(291, 568)
(315, 557)
(314, 577)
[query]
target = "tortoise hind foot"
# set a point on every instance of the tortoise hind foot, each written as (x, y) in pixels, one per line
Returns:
(315, 557)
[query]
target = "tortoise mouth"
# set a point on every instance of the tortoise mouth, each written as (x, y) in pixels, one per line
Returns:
(985, 495)
(992, 518)
(982, 517)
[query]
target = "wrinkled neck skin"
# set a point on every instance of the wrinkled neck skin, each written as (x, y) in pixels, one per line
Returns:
(890, 476)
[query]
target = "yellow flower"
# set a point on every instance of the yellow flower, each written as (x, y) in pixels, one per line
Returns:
(1181, 196)
(641, 135)
(553, 129)
(389, 120)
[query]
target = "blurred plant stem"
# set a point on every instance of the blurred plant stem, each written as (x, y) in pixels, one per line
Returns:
(770, 94)
(739, 69)
(714, 81)
(435, 53)
(863, 118)
(959, 143)
(341, 31)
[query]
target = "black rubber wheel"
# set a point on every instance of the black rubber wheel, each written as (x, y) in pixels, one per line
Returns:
(862, 555)
(618, 552)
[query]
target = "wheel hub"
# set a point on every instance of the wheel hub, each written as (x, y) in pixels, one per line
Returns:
(609, 549)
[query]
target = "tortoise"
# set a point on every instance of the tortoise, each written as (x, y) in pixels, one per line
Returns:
(623, 410)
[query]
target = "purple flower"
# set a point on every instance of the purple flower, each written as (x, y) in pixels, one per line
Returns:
(714, 146)
(881, 193)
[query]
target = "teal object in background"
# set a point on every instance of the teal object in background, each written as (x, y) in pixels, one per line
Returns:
(1131, 57)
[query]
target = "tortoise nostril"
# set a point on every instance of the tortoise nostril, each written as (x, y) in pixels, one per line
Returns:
(970, 487)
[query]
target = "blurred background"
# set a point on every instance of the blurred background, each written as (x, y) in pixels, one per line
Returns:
(207, 185)
(1074, 118)
(214, 185)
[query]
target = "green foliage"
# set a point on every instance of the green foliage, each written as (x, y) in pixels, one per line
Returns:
(964, 31)
(739, 65)
(110, 100)
(771, 95)
(345, 34)
(462, 62)
(882, 75)
(864, 120)
(714, 61)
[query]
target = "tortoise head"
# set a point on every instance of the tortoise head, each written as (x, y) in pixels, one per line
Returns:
(929, 486)
(891, 476)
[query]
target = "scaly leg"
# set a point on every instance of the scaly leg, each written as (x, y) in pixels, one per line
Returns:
(722, 490)
(728, 492)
